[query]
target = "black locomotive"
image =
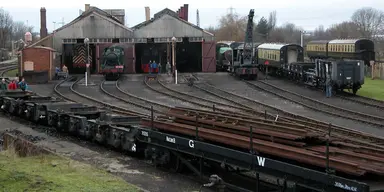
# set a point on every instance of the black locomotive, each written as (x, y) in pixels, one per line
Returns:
(287, 60)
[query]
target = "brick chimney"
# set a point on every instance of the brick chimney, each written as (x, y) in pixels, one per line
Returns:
(182, 12)
(185, 12)
(87, 6)
(147, 14)
(43, 23)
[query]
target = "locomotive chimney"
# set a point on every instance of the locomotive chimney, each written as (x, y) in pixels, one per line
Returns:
(87, 6)
(185, 12)
(43, 23)
(147, 14)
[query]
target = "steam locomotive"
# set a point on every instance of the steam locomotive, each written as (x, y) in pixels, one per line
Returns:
(112, 65)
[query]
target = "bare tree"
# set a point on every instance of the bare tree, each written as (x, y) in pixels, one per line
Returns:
(5, 28)
(344, 30)
(231, 27)
(272, 20)
(288, 33)
(19, 29)
(369, 20)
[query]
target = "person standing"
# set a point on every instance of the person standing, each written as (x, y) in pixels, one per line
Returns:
(3, 85)
(328, 86)
(150, 67)
(168, 68)
(23, 85)
(12, 85)
(159, 68)
(154, 66)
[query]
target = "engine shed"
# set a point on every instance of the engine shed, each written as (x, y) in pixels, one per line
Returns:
(84, 40)
(101, 28)
(194, 47)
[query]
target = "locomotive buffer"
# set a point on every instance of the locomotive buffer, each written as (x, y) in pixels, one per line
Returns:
(245, 67)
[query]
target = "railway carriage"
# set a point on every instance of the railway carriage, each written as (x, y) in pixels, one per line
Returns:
(354, 49)
(278, 56)
(317, 49)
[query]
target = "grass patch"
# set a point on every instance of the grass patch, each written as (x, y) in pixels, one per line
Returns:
(372, 89)
(52, 173)
(12, 73)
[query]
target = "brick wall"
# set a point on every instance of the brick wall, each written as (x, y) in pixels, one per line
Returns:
(41, 58)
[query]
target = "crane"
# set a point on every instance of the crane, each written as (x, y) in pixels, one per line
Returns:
(245, 68)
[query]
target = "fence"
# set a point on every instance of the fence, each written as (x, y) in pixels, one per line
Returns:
(375, 71)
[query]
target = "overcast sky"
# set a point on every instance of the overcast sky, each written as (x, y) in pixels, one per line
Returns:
(307, 14)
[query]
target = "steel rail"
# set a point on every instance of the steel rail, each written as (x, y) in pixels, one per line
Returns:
(352, 115)
(114, 108)
(362, 100)
(321, 126)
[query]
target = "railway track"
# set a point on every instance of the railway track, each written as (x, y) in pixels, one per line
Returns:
(116, 92)
(114, 108)
(343, 133)
(4, 68)
(317, 105)
(207, 104)
(362, 100)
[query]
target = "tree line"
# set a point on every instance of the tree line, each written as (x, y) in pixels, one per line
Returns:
(11, 30)
(366, 22)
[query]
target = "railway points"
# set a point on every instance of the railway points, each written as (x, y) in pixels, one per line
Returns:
(322, 106)
(243, 91)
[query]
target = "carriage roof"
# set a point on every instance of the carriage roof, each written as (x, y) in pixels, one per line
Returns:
(274, 46)
(345, 41)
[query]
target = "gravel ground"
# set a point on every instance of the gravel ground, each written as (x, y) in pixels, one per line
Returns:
(136, 86)
(314, 94)
(228, 83)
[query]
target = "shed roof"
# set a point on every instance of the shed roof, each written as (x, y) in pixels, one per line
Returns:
(344, 41)
(91, 10)
(171, 13)
(100, 13)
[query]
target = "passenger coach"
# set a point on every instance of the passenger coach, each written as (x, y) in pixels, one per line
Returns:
(354, 49)
(276, 56)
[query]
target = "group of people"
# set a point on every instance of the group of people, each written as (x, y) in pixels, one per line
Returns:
(13, 85)
(58, 71)
(153, 65)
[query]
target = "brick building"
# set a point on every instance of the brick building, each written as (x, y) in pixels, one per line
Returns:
(37, 64)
